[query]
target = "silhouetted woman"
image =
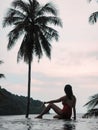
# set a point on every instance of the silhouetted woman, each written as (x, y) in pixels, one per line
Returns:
(68, 102)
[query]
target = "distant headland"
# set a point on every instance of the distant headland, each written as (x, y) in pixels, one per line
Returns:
(11, 104)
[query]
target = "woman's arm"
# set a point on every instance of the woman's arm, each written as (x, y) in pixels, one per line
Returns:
(74, 109)
(74, 112)
(54, 101)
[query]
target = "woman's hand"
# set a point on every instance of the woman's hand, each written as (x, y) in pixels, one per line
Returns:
(45, 102)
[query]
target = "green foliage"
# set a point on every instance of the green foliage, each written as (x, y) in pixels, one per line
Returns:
(93, 102)
(92, 106)
(11, 104)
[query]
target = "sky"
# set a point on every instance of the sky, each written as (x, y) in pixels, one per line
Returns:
(74, 58)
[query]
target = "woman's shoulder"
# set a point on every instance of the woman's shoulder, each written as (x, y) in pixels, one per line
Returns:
(63, 97)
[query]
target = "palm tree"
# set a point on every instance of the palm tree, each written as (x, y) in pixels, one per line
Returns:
(1, 75)
(33, 22)
(92, 106)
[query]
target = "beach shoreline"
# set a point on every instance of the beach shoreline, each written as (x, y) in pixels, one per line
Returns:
(47, 123)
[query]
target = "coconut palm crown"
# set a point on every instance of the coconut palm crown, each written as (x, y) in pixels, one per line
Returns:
(30, 19)
(35, 23)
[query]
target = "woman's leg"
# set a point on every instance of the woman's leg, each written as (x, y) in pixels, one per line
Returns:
(50, 106)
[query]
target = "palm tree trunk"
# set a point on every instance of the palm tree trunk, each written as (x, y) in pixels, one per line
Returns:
(29, 85)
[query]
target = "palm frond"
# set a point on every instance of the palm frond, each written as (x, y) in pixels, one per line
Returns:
(14, 35)
(21, 50)
(12, 17)
(49, 20)
(23, 6)
(48, 8)
(91, 113)
(37, 45)
(45, 45)
(34, 6)
(49, 33)
(26, 49)
(93, 17)
(93, 102)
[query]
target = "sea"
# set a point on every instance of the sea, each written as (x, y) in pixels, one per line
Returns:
(47, 123)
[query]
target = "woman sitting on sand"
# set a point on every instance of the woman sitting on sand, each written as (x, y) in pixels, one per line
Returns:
(68, 101)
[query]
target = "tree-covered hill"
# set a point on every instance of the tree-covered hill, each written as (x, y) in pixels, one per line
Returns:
(11, 104)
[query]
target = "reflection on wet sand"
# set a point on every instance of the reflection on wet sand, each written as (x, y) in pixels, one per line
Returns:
(69, 127)
(29, 124)
(48, 123)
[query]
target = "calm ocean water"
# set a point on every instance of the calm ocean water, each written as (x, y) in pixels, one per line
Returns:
(47, 123)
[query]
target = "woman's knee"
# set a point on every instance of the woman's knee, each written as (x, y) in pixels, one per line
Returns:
(51, 105)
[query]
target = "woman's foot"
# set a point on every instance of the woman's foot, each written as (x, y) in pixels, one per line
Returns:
(57, 116)
(39, 117)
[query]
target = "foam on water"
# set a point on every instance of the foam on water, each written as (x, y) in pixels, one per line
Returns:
(47, 123)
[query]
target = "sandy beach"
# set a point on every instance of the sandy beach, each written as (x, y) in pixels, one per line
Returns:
(47, 123)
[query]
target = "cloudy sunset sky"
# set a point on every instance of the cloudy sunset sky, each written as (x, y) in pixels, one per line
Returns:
(74, 58)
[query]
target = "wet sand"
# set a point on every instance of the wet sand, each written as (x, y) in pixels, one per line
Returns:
(47, 123)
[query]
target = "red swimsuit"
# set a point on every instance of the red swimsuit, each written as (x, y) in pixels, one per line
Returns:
(67, 111)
